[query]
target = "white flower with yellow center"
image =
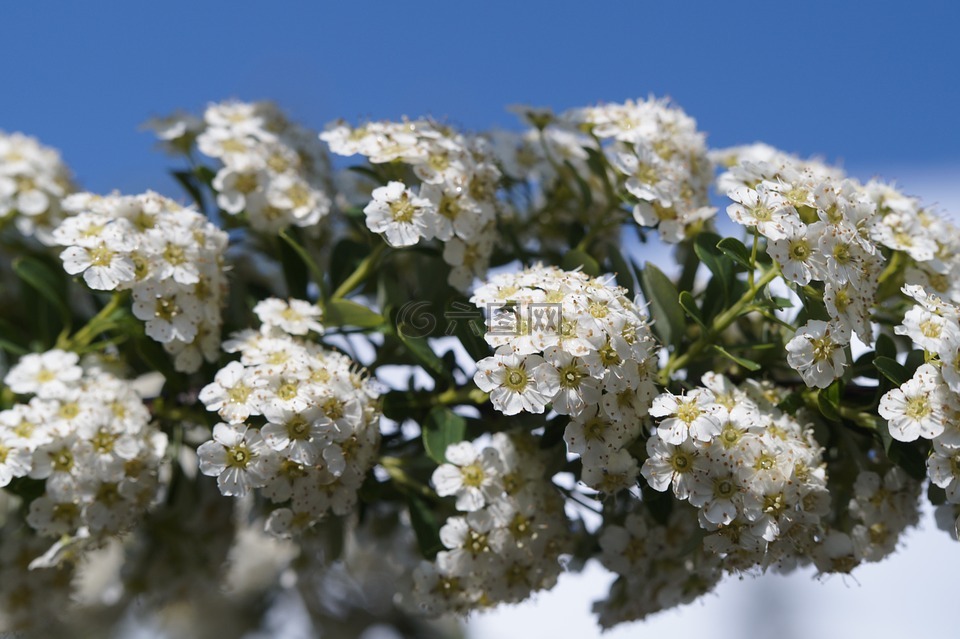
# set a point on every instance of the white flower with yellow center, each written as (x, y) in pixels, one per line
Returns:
(399, 215)
(817, 352)
(236, 457)
(509, 378)
(48, 375)
(692, 415)
(474, 477)
(294, 317)
(916, 408)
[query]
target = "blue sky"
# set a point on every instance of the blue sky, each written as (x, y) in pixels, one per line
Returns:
(874, 85)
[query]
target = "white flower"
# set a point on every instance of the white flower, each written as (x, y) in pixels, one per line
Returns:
(796, 253)
(294, 317)
(47, 375)
(235, 457)
(817, 353)
(766, 210)
(402, 217)
(475, 478)
(15, 461)
(692, 415)
(944, 466)
(916, 408)
(231, 393)
(511, 383)
(669, 465)
(104, 264)
(567, 382)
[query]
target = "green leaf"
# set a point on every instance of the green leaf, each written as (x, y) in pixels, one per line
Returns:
(621, 267)
(886, 347)
(791, 403)
(367, 172)
(585, 194)
(665, 310)
(936, 495)
(891, 369)
(576, 259)
(344, 259)
(294, 271)
(735, 250)
(828, 399)
(470, 331)
(342, 312)
(911, 457)
(10, 347)
(722, 267)
(915, 359)
(301, 252)
(705, 246)
(660, 504)
(188, 181)
(442, 428)
(420, 348)
(426, 527)
(49, 284)
(745, 363)
(689, 305)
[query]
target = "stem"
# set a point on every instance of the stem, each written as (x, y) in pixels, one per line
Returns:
(892, 267)
(97, 324)
(584, 243)
(304, 256)
(607, 185)
(753, 259)
(394, 468)
(720, 324)
(465, 395)
(362, 272)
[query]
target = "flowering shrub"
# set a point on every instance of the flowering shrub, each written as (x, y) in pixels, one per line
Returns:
(457, 367)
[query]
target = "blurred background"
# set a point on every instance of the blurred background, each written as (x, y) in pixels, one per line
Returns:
(873, 87)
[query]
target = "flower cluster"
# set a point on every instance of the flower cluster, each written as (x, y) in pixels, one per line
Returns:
(818, 229)
(274, 171)
(754, 472)
(87, 436)
(33, 180)
(578, 344)
(659, 565)
(508, 542)
(300, 423)
(928, 404)
(830, 233)
(455, 200)
(883, 506)
(169, 257)
(662, 157)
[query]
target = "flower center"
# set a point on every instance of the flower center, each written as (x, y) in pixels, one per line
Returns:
(681, 461)
(918, 407)
(472, 475)
(723, 488)
(516, 379)
(239, 456)
(687, 412)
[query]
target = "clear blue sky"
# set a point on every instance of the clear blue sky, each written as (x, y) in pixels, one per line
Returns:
(873, 84)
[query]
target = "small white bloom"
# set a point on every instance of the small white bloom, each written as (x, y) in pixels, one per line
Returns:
(817, 352)
(474, 477)
(692, 415)
(399, 215)
(916, 408)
